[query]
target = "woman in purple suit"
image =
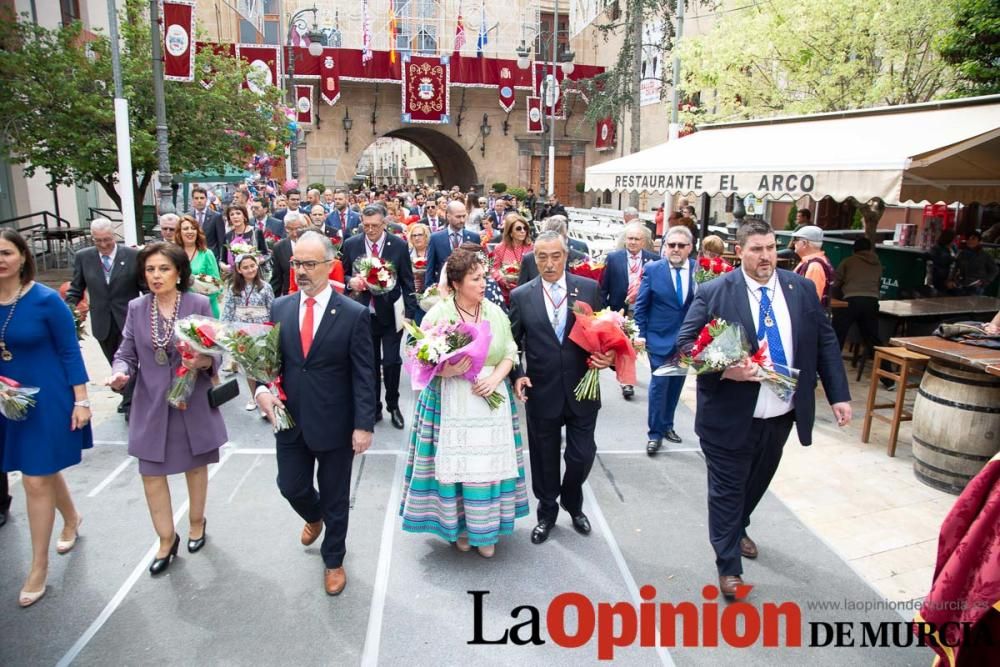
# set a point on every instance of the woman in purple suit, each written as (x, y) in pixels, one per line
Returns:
(168, 441)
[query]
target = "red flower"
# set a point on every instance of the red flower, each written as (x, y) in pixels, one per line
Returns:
(717, 265)
(727, 267)
(10, 383)
(420, 264)
(704, 262)
(206, 334)
(373, 276)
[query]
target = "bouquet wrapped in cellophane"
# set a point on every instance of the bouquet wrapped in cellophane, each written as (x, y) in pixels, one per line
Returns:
(379, 274)
(205, 284)
(15, 399)
(257, 349)
(430, 298)
(193, 335)
(603, 332)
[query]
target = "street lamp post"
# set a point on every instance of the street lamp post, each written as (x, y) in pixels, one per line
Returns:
(165, 203)
(315, 50)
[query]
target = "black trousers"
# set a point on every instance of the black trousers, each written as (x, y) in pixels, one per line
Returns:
(386, 342)
(109, 346)
(297, 465)
(864, 311)
(737, 480)
(544, 444)
(5, 498)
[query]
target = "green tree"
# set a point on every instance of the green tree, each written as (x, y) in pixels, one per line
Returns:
(59, 117)
(794, 57)
(972, 46)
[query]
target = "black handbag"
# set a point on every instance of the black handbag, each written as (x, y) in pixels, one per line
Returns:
(223, 393)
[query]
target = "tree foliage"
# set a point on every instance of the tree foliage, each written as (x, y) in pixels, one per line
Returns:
(972, 46)
(794, 57)
(58, 109)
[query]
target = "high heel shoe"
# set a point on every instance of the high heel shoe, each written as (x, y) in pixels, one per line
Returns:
(160, 565)
(26, 599)
(65, 546)
(195, 545)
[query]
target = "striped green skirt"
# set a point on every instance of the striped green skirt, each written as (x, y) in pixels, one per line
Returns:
(483, 510)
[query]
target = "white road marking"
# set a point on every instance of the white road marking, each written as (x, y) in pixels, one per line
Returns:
(111, 442)
(239, 484)
(123, 591)
(111, 477)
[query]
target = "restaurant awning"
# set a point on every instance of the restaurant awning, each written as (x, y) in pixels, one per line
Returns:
(941, 151)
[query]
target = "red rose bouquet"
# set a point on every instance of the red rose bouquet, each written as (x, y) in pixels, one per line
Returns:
(709, 269)
(379, 274)
(721, 345)
(588, 268)
(15, 399)
(257, 349)
(510, 272)
(604, 331)
(194, 335)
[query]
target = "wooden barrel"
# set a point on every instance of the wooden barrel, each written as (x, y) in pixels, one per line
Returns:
(956, 425)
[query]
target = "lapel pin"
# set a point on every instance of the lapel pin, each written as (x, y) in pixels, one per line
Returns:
(333, 311)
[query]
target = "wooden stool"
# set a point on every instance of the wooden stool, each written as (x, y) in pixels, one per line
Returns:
(908, 363)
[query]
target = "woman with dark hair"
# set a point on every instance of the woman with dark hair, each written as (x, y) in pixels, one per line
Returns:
(455, 430)
(168, 441)
(38, 348)
(242, 232)
(514, 242)
(192, 239)
(248, 299)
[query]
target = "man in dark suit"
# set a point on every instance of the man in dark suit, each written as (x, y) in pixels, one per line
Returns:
(541, 318)
(210, 221)
(432, 217)
(529, 270)
(109, 273)
(622, 271)
(742, 425)
(553, 207)
(326, 370)
(342, 219)
(418, 208)
(387, 310)
(443, 242)
(281, 254)
(293, 197)
(665, 294)
(496, 214)
(264, 222)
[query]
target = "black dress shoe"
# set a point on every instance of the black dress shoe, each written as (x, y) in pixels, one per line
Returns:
(397, 418)
(581, 523)
(653, 446)
(3, 515)
(378, 416)
(160, 565)
(628, 391)
(541, 532)
(672, 436)
(121, 408)
(194, 546)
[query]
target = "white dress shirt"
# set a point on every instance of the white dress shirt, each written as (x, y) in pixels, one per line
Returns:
(768, 403)
(549, 304)
(111, 263)
(685, 278)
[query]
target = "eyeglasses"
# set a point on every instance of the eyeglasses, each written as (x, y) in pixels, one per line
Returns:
(678, 245)
(417, 235)
(308, 265)
(520, 229)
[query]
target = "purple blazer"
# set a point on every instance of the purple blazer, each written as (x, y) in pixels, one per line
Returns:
(147, 428)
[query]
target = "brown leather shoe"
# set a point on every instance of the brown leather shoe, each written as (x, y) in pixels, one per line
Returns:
(311, 532)
(728, 585)
(334, 581)
(748, 548)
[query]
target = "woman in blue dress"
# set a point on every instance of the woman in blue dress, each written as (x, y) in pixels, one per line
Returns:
(38, 348)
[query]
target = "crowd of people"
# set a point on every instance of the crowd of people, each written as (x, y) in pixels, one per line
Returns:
(342, 344)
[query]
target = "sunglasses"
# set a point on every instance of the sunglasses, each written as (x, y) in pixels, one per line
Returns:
(520, 229)
(678, 245)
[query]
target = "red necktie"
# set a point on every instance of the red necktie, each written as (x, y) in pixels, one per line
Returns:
(306, 331)
(343, 219)
(375, 250)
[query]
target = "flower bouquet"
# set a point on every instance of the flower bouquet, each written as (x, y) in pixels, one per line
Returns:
(15, 400)
(429, 349)
(379, 274)
(588, 268)
(237, 249)
(604, 331)
(510, 273)
(194, 335)
(430, 298)
(270, 240)
(79, 318)
(205, 284)
(257, 349)
(721, 344)
(709, 269)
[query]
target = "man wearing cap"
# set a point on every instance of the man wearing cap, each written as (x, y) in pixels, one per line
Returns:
(808, 245)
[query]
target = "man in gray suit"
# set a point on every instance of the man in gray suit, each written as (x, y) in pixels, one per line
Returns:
(109, 274)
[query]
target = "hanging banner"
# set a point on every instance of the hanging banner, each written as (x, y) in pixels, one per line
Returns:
(505, 89)
(207, 75)
(425, 95)
(178, 40)
(304, 104)
(605, 139)
(535, 115)
(329, 76)
(263, 65)
(553, 94)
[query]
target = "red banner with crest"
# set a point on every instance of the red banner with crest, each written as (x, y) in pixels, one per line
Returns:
(304, 104)
(329, 76)
(263, 65)
(552, 95)
(207, 75)
(505, 89)
(178, 40)
(605, 139)
(425, 96)
(534, 115)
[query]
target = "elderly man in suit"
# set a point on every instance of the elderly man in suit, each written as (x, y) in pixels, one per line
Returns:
(448, 239)
(387, 310)
(109, 274)
(622, 271)
(742, 425)
(281, 253)
(326, 369)
(210, 221)
(541, 318)
(529, 270)
(665, 294)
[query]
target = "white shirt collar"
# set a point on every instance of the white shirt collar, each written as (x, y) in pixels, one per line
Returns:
(380, 243)
(755, 286)
(114, 251)
(561, 282)
(322, 299)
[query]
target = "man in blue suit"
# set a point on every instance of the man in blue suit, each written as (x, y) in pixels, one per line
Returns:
(342, 220)
(326, 352)
(263, 221)
(743, 426)
(622, 271)
(443, 242)
(665, 294)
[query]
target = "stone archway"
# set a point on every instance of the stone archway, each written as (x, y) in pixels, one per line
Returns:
(452, 162)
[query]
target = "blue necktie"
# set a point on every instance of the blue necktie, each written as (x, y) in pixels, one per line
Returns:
(558, 324)
(106, 261)
(679, 288)
(770, 333)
